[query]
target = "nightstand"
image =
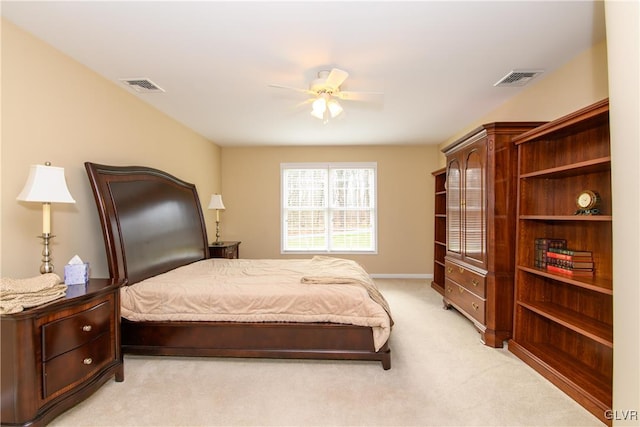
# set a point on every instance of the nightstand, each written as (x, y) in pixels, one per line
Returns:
(229, 250)
(57, 354)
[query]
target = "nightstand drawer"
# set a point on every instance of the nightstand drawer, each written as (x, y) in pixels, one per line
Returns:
(471, 280)
(465, 300)
(73, 366)
(77, 329)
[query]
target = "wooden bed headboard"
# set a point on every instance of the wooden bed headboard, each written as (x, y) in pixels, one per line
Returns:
(152, 222)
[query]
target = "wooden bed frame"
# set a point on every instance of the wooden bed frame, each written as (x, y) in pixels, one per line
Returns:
(152, 222)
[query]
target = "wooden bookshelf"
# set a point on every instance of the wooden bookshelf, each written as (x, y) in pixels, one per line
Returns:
(440, 229)
(563, 325)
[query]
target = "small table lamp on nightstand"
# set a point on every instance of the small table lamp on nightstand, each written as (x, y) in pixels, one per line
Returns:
(216, 203)
(46, 184)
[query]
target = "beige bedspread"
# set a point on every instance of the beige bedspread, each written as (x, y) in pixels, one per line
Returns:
(320, 289)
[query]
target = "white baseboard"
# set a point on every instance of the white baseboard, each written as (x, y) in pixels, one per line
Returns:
(402, 276)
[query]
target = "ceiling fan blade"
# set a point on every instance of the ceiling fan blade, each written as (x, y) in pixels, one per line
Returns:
(360, 96)
(307, 91)
(306, 102)
(336, 78)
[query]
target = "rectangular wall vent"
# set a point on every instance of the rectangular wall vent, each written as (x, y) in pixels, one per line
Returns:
(142, 85)
(518, 78)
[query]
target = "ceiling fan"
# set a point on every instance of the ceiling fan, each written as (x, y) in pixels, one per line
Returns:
(325, 92)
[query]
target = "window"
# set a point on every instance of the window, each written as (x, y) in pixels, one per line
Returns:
(328, 207)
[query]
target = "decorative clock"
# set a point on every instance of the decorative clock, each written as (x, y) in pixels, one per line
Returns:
(588, 203)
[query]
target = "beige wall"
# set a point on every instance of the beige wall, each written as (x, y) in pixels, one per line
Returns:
(623, 34)
(251, 193)
(54, 109)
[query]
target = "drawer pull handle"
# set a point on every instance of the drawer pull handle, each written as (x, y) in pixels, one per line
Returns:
(87, 361)
(87, 328)
(449, 270)
(449, 290)
(474, 282)
(461, 289)
(461, 270)
(475, 306)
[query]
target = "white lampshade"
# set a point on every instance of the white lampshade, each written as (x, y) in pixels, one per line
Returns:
(46, 184)
(334, 108)
(216, 202)
(320, 104)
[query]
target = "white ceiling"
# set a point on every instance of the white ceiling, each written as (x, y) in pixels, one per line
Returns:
(435, 61)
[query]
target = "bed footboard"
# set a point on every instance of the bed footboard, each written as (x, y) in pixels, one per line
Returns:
(267, 340)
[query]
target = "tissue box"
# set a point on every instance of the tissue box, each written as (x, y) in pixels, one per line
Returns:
(76, 290)
(76, 274)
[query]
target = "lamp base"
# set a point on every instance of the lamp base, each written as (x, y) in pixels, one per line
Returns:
(47, 265)
(217, 243)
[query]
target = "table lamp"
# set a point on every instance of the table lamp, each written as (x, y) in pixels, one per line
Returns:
(216, 203)
(46, 184)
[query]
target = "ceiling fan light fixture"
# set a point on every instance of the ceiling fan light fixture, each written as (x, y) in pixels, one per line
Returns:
(335, 109)
(324, 106)
(319, 105)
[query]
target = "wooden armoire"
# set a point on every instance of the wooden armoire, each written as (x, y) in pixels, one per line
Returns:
(481, 181)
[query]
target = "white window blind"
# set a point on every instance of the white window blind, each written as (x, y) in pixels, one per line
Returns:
(328, 207)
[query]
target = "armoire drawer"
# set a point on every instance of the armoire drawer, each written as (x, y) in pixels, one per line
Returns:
(465, 300)
(471, 280)
(76, 329)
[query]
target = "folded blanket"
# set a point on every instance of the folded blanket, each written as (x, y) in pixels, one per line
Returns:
(18, 294)
(338, 271)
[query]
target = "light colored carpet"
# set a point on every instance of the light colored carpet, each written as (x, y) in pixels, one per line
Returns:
(441, 375)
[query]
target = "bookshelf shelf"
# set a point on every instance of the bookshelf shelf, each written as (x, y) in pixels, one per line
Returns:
(563, 324)
(594, 329)
(605, 218)
(574, 169)
(596, 283)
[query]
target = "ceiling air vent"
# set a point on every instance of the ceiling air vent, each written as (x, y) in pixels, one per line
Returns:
(142, 85)
(517, 78)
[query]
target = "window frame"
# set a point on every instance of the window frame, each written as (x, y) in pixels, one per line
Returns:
(328, 166)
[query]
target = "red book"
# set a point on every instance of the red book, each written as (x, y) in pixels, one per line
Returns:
(569, 272)
(573, 258)
(571, 263)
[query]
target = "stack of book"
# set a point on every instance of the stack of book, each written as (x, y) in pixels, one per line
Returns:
(542, 246)
(567, 261)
